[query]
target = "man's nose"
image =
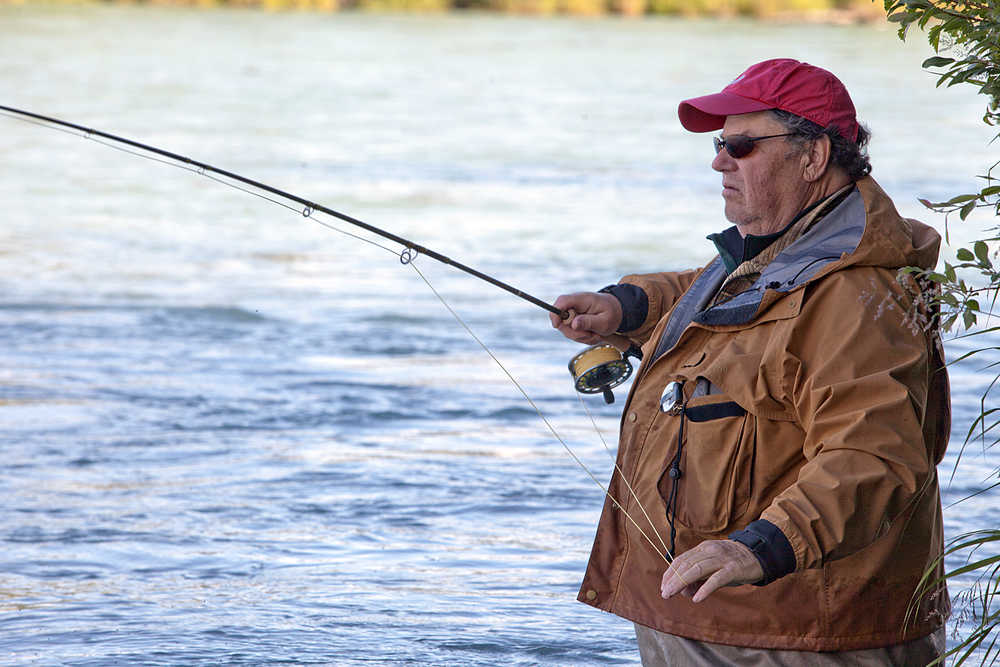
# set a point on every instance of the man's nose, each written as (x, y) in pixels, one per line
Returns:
(723, 161)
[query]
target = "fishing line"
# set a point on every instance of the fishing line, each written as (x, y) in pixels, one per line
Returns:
(306, 213)
(667, 558)
(406, 256)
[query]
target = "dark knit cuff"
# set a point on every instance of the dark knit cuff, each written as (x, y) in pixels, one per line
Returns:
(770, 546)
(635, 305)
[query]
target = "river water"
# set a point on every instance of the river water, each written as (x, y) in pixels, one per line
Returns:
(231, 436)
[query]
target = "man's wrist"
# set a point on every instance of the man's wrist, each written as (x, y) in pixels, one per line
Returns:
(634, 304)
(771, 548)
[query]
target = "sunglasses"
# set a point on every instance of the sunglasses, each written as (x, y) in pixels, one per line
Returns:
(740, 145)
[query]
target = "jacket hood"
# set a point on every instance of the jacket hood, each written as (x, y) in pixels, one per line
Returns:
(890, 240)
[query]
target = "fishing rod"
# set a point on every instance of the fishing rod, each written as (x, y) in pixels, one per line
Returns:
(596, 369)
(310, 206)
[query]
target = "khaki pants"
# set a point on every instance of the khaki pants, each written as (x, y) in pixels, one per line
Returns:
(662, 650)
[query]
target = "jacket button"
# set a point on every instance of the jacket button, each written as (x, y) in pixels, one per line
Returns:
(631, 417)
(591, 595)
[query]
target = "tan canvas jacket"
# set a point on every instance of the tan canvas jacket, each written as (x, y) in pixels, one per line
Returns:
(846, 416)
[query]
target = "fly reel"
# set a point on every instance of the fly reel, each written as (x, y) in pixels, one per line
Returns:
(599, 369)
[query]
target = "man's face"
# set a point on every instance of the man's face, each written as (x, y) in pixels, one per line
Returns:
(764, 190)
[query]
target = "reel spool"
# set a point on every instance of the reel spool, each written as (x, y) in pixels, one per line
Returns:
(598, 369)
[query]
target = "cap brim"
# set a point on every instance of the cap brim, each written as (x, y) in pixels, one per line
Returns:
(707, 113)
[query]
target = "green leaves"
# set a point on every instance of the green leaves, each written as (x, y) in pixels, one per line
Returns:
(982, 252)
(961, 198)
(937, 62)
(966, 210)
(967, 33)
(967, 203)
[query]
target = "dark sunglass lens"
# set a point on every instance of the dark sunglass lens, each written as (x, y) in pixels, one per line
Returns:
(739, 145)
(718, 144)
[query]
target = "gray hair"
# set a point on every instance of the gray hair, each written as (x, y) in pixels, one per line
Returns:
(852, 156)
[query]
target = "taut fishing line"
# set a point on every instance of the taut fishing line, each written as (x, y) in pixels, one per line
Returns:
(665, 554)
(607, 370)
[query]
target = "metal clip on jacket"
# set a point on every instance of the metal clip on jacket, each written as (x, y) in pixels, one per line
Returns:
(672, 398)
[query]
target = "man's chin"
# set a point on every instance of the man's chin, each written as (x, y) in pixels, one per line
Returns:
(742, 224)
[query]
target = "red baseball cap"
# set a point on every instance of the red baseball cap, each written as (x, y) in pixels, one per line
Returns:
(799, 88)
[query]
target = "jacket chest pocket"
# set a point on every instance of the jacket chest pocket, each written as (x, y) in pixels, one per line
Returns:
(717, 447)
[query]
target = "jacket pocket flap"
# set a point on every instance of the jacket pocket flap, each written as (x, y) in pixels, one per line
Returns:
(710, 411)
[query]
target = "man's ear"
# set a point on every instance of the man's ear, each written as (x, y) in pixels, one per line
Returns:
(816, 158)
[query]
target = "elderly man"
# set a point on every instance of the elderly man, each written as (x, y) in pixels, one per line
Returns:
(782, 433)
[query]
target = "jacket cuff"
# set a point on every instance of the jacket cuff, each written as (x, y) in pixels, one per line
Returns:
(634, 302)
(771, 548)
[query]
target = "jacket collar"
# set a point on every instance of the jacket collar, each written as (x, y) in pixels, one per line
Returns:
(734, 248)
(822, 244)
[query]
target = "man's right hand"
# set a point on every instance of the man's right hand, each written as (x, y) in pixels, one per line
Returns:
(595, 315)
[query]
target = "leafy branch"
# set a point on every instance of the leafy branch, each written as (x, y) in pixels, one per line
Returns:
(966, 38)
(969, 32)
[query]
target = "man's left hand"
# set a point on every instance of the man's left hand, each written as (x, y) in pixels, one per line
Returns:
(708, 567)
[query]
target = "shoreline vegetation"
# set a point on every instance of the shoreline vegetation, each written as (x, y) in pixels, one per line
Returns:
(824, 11)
